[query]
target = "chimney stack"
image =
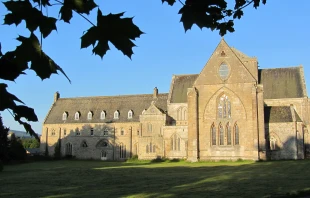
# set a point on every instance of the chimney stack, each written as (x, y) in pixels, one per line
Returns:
(155, 93)
(56, 96)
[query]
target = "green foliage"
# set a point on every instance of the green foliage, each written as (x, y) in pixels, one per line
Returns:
(57, 151)
(30, 143)
(16, 150)
(3, 141)
(113, 28)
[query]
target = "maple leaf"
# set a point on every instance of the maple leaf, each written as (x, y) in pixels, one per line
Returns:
(22, 111)
(23, 10)
(42, 2)
(170, 2)
(111, 28)
(10, 67)
(7, 99)
(30, 51)
(80, 6)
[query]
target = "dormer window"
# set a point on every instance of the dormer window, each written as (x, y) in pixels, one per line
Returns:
(64, 116)
(77, 116)
(130, 113)
(116, 115)
(102, 115)
(89, 115)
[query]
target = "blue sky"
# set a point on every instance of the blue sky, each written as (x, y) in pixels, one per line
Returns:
(277, 34)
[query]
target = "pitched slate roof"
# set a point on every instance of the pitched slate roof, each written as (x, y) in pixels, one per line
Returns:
(278, 83)
(279, 114)
(239, 53)
(109, 104)
(282, 82)
(179, 87)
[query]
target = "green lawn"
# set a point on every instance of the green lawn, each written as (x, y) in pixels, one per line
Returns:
(145, 179)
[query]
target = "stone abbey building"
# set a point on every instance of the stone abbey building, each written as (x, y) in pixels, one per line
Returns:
(230, 110)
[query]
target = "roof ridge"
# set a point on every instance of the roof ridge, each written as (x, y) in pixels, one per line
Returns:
(129, 95)
(289, 67)
(185, 74)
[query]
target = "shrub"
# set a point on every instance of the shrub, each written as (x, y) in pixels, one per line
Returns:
(17, 151)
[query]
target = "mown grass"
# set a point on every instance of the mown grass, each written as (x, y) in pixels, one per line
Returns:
(73, 178)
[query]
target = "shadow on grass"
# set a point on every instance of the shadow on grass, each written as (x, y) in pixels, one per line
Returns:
(148, 179)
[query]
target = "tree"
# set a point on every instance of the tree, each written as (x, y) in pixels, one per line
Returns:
(113, 28)
(3, 142)
(30, 143)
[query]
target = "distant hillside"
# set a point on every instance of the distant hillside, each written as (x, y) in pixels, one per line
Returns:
(21, 134)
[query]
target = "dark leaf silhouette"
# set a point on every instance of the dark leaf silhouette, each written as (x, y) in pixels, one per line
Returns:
(119, 31)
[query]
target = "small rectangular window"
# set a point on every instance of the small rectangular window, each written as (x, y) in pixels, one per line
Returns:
(91, 131)
(105, 132)
(65, 132)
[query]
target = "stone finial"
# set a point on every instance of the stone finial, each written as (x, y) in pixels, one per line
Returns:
(155, 92)
(56, 96)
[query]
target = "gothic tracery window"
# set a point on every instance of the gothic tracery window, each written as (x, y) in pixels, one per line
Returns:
(224, 107)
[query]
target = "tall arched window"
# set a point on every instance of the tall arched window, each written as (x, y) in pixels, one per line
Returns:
(236, 135)
(213, 134)
(221, 134)
(224, 107)
(182, 113)
(68, 149)
(228, 133)
(175, 143)
(185, 114)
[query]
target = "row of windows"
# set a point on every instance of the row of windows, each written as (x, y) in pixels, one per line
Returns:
(224, 135)
(77, 115)
(122, 148)
(105, 131)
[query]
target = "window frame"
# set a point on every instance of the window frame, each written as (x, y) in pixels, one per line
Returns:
(102, 115)
(130, 114)
(89, 115)
(64, 116)
(116, 114)
(77, 116)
